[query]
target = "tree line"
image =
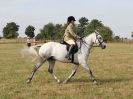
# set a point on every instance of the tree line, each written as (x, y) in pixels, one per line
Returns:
(52, 31)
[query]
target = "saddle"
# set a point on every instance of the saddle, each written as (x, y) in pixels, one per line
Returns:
(74, 50)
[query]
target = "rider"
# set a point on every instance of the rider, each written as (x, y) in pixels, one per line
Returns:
(70, 37)
(28, 41)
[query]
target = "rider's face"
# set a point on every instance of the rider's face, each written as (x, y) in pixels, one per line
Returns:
(73, 22)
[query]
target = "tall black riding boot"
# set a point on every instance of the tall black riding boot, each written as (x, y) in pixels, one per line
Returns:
(69, 52)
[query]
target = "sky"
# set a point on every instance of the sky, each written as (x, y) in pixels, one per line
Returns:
(117, 14)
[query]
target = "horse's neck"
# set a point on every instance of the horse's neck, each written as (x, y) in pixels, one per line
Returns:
(89, 40)
(87, 45)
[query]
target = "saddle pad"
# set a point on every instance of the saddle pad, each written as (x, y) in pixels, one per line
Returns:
(75, 48)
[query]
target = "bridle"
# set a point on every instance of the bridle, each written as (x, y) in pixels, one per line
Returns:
(86, 44)
(100, 43)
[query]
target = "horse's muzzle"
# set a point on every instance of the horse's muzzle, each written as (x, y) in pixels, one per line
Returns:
(103, 46)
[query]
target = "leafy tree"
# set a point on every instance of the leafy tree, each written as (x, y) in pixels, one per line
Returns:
(58, 31)
(11, 30)
(39, 36)
(63, 30)
(117, 38)
(29, 31)
(106, 33)
(93, 25)
(48, 31)
(83, 22)
(52, 32)
(42, 34)
(132, 34)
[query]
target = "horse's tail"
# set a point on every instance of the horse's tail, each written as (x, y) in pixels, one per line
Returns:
(37, 46)
(33, 49)
(30, 51)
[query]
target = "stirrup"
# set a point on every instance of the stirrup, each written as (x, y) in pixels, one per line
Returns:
(68, 57)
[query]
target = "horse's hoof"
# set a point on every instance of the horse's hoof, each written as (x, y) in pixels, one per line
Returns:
(64, 82)
(28, 81)
(95, 82)
(58, 81)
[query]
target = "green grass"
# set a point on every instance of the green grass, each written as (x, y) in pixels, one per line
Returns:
(113, 67)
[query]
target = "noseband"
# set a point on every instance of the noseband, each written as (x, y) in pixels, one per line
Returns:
(100, 43)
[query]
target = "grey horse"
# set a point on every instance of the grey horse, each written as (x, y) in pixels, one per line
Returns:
(53, 51)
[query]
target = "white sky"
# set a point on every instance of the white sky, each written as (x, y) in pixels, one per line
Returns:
(117, 14)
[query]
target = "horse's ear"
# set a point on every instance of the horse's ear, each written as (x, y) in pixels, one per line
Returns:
(96, 32)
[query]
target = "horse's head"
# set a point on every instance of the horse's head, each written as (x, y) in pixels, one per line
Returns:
(99, 40)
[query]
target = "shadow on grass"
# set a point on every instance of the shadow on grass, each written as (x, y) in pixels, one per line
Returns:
(101, 81)
(114, 80)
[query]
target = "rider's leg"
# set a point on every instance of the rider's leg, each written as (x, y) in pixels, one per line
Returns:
(70, 51)
(72, 44)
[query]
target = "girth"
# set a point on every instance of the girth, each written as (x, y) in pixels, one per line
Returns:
(74, 50)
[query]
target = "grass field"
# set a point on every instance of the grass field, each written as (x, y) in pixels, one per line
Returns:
(113, 67)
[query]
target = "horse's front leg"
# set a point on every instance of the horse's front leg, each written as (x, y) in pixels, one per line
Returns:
(72, 74)
(85, 65)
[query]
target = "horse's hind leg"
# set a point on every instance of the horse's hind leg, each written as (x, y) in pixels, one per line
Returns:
(51, 68)
(72, 74)
(35, 68)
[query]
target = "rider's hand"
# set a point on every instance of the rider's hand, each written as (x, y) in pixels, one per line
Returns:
(80, 39)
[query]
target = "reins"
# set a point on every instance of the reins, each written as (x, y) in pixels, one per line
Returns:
(83, 42)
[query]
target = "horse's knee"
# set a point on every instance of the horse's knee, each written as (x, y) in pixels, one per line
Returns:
(34, 68)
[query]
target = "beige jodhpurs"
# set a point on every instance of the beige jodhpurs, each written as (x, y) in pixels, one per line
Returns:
(71, 42)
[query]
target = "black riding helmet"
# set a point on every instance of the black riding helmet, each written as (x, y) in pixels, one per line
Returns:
(70, 18)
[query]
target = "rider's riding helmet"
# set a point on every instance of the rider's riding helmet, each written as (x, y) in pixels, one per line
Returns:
(70, 18)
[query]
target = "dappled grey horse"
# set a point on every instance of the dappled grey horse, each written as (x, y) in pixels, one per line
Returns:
(53, 51)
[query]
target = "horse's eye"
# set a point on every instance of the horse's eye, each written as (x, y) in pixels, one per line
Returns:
(100, 38)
